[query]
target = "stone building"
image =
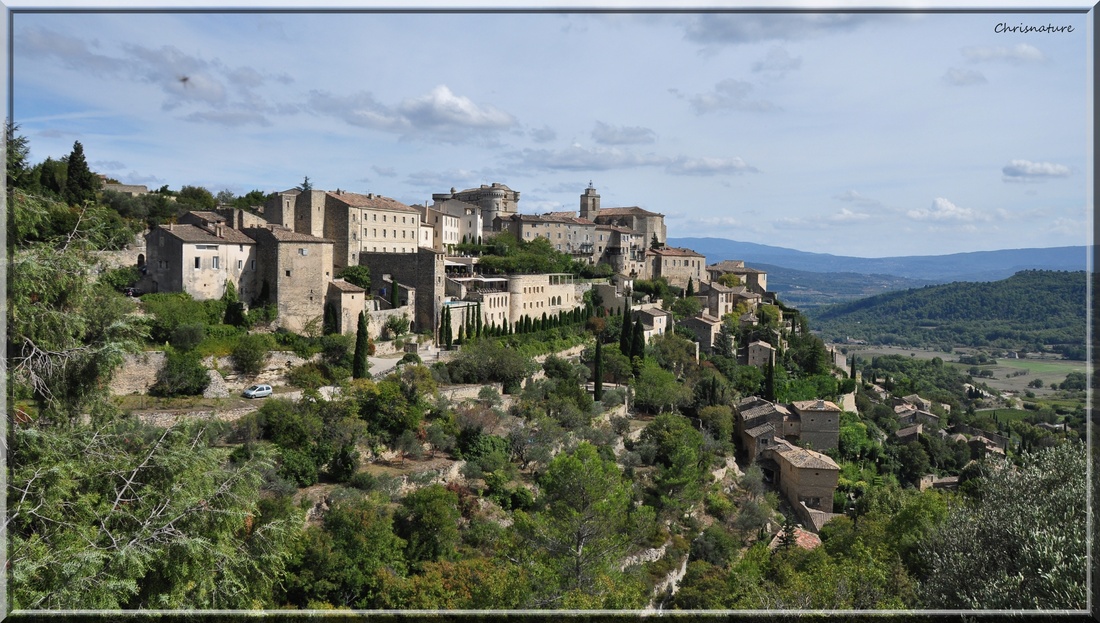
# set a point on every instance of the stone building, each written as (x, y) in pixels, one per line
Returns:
(494, 200)
(361, 224)
(819, 423)
(753, 279)
(443, 229)
(297, 269)
(421, 270)
(805, 476)
(347, 300)
(647, 224)
(198, 256)
(676, 265)
(705, 328)
(566, 233)
(468, 219)
(759, 354)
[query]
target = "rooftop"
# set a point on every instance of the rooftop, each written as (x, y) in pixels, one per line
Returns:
(377, 202)
(674, 252)
(194, 234)
(815, 405)
(803, 458)
(631, 211)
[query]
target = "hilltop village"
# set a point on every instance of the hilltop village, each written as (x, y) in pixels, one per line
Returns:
(319, 399)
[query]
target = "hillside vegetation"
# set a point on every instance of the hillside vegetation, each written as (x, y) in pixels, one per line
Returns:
(1032, 310)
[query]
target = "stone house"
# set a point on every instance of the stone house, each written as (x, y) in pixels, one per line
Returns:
(676, 265)
(361, 224)
(804, 476)
(442, 228)
(347, 299)
(198, 256)
(647, 224)
(819, 423)
(566, 233)
(759, 354)
(753, 279)
(655, 321)
(467, 217)
(705, 328)
(297, 269)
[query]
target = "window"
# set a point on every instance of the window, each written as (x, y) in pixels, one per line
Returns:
(288, 273)
(252, 265)
(305, 251)
(198, 263)
(214, 262)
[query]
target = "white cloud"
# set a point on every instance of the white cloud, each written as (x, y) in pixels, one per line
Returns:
(1027, 171)
(384, 171)
(621, 135)
(943, 210)
(852, 196)
(963, 77)
(778, 61)
(709, 166)
(438, 115)
(730, 94)
(229, 118)
(579, 158)
(545, 134)
(847, 216)
(442, 108)
(441, 181)
(1019, 53)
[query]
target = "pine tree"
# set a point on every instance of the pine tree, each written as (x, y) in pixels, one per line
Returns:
(359, 363)
(80, 182)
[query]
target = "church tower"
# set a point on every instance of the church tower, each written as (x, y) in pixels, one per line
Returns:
(590, 203)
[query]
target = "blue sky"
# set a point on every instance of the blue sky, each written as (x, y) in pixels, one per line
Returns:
(866, 134)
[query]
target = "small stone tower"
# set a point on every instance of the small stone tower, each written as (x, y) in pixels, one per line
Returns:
(590, 203)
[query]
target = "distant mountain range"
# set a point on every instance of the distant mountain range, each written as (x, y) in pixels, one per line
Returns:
(804, 279)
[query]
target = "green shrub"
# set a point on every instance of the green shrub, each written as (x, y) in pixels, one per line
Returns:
(187, 336)
(251, 352)
(182, 375)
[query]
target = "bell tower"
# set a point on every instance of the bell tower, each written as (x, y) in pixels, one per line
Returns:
(590, 203)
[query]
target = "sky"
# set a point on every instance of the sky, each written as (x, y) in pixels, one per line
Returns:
(870, 134)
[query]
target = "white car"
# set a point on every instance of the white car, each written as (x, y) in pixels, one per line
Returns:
(258, 391)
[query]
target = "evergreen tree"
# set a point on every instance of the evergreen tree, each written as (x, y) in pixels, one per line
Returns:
(446, 328)
(625, 336)
(360, 364)
(80, 182)
(690, 289)
(18, 153)
(395, 295)
(306, 185)
(637, 345)
(597, 371)
(330, 321)
(769, 381)
(477, 321)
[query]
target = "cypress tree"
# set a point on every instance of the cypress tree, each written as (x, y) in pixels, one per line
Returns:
(597, 372)
(769, 381)
(624, 337)
(359, 362)
(461, 334)
(447, 329)
(690, 289)
(637, 347)
(395, 298)
(477, 321)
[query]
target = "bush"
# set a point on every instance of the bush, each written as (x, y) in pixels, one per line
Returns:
(187, 336)
(307, 376)
(251, 352)
(182, 375)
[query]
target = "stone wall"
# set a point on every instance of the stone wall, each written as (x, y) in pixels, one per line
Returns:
(139, 372)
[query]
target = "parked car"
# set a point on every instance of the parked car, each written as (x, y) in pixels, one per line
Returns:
(258, 391)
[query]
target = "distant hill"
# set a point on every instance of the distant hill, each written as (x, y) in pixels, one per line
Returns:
(1030, 309)
(804, 289)
(975, 266)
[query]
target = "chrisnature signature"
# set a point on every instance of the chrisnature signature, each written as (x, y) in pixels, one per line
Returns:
(1025, 28)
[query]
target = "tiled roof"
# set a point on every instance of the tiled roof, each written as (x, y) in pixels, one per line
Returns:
(377, 202)
(283, 234)
(631, 211)
(193, 234)
(815, 405)
(206, 215)
(762, 429)
(915, 429)
(674, 251)
(803, 458)
(346, 286)
(802, 538)
(621, 230)
(763, 410)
